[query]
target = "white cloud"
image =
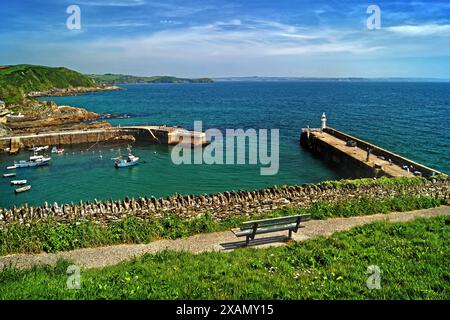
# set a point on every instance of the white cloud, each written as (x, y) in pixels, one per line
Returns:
(421, 30)
(236, 38)
(325, 48)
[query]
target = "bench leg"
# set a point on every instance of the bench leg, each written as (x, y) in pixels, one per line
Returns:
(247, 240)
(290, 234)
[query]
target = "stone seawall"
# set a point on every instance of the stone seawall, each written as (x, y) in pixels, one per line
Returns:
(341, 161)
(332, 145)
(224, 204)
(67, 138)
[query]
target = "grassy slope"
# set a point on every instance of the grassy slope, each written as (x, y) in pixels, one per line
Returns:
(18, 80)
(121, 78)
(413, 259)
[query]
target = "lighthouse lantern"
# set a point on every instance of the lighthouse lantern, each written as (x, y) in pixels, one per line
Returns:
(324, 121)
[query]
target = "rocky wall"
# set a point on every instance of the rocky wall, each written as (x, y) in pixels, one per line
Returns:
(220, 205)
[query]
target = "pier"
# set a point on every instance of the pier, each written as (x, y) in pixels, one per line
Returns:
(358, 157)
(151, 134)
(165, 135)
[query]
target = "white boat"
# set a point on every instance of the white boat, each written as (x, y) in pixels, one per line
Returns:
(11, 167)
(18, 182)
(34, 161)
(37, 149)
(6, 175)
(23, 189)
(129, 161)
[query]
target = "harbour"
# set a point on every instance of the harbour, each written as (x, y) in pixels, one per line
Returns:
(156, 175)
(225, 151)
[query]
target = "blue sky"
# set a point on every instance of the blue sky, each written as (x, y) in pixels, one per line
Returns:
(231, 38)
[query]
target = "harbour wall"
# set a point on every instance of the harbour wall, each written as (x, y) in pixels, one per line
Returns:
(64, 138)
(226, 204)
(151, 134)
(380, 152)
(165, 135)
(356, 167)
(347, 165)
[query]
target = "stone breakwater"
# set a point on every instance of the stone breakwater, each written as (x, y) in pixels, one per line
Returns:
(220, 205)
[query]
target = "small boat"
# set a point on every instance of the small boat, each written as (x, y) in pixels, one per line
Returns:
(34, 161)
(23, 189)
(18, 182)
(37, 149)
(57, 150)
(6, 175)
(129, 161)
(11, 167)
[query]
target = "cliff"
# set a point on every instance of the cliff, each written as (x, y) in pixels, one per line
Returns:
(16, 82)
(22, 113)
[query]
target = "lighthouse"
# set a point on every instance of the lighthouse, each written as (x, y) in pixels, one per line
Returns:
(324, 121)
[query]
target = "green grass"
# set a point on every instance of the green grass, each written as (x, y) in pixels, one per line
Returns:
(382, 181)
(18, 80)
(50, 236)
(412, 257)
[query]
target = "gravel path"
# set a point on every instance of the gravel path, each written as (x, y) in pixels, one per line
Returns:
(218, 241)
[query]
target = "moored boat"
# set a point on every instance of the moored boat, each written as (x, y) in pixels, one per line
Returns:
(11, 167)
(23, 189)
(129, 161)
(18, 182)
(57, 150)
(34, 161)
(37, 149)
(6, 175)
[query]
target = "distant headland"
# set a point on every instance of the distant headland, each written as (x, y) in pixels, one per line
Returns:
(110, 78)
(20, 85)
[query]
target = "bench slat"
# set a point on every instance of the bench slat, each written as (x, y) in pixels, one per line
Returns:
(274, 221)
(282, 227)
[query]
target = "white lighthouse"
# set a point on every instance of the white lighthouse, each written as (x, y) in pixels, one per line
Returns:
(324, 121)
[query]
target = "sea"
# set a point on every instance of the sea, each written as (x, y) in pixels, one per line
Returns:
(408, 118)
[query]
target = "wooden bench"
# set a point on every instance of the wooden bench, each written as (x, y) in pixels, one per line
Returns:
(250, 229)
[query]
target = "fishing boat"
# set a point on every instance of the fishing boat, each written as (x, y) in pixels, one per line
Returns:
(57, 150)
(6, 175)
(37, 149)
(23, 189)
(18, 182)
(123, 162)
(34, 161)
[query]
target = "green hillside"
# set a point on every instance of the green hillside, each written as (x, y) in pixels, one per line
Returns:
(110, 78)
(17, 81)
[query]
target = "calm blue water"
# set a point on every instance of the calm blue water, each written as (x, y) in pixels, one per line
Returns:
(411, 119)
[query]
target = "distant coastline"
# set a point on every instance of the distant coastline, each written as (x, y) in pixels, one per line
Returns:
(393, 79)
(113, 79)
